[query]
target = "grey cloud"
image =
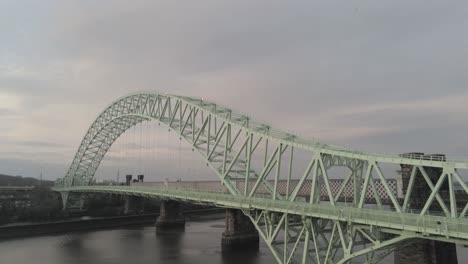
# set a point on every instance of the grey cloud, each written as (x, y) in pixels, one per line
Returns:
(30, 168)
(300, 65)
(6, 112)
(41, 144)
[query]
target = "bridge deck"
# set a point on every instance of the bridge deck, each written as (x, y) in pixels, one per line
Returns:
(438, 227)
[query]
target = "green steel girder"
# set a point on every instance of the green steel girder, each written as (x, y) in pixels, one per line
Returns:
(377, 229)
(426, 225)
(154, 106)
(249, 159)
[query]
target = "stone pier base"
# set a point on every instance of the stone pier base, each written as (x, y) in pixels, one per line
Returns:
(133, 205)
(170, 216)
(427, 252)
(240, 233)
(129, 205)
(64, 196)
(82, 202)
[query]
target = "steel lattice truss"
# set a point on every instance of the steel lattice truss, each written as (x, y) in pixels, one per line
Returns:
(315, 227)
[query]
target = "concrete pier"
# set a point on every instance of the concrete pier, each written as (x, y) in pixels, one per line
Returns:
(170, 216)
(240, 233)
(127, 205)
(133, 205)
(427, 252)
(82, 202)
(64, 196)
(424, 251)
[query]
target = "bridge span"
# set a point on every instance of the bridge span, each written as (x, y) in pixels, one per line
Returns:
(305, 214)
(408, 225)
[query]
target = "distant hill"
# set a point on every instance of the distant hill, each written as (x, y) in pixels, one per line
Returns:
(7, 180)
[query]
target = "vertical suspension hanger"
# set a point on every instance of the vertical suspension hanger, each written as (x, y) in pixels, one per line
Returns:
(134, 159)
(157, 151)
(148, 148)
(145, 150)
(116, 148)
(137, 150)
(137, 153)
(125, 150)
(122, 151)
(141, 148)
(122, 148)
(152, 169)
(179, 165)
(169, 157)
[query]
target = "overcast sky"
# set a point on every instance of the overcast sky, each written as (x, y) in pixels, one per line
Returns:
(386, 76)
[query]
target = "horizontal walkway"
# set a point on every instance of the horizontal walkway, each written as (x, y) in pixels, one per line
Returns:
(433, 227)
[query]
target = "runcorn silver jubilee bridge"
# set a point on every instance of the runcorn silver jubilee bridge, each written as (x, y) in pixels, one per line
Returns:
(310, 202)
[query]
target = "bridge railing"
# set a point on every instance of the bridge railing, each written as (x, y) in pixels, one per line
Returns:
(422, 156)
(411, 221)
(305, 190)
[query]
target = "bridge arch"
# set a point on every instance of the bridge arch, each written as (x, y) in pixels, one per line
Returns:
(189, 117)
(227, 140)
(219, 135)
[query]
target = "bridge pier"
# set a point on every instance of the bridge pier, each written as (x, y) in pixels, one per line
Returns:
(127, 205)
(170, 216)
(240, 233)
(82, 201)
(133, 205)
(427, 252)
(64, 196)
(424, 251)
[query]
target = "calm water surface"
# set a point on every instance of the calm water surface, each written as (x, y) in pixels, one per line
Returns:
(200, 243)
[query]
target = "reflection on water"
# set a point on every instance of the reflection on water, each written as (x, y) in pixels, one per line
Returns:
(199, 243)
(170, 245)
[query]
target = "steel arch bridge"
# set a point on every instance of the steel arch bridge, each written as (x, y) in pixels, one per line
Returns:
(298, 211)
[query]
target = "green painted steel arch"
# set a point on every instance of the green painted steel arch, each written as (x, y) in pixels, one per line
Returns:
(130, 110)
(117, 118)
(192, 119)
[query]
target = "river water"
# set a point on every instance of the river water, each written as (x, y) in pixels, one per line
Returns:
(200, 243)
